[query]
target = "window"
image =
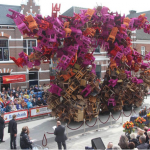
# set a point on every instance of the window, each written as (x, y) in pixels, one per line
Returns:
(97, 50)
(31, 14)
(143, 50)
(4, 51)
(1, 81)
(98, 71)
(33, 78)
(28, 46)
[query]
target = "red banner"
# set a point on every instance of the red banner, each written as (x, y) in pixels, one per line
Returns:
(14, 78)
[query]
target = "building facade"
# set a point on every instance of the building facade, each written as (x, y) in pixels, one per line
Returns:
(140, 40)
(101, 59)
(12, 42)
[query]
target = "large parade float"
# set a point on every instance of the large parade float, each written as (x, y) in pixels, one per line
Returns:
(75, 92)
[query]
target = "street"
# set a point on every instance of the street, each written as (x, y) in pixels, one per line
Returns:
(109, 132)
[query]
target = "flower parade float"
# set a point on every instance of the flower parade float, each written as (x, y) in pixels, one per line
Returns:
(75, 93)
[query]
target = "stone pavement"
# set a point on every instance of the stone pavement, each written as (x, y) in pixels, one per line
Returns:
(78, 141)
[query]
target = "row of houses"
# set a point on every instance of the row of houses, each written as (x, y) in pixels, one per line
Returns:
(13, 42)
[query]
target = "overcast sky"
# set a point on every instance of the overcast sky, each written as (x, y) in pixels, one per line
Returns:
(122, 6)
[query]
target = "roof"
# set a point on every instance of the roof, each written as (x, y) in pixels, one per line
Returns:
(70, 12)
(4, 20)
(140, 34)
(133, 15)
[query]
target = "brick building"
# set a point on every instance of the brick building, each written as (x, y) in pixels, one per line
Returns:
(140, 40)
(101, 59)
(13, 42)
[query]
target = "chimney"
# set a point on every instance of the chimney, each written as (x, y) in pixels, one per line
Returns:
(132, 11)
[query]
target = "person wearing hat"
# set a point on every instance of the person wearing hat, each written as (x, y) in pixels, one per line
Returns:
(2, 126)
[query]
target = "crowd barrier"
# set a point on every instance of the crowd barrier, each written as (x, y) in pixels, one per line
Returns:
(96, 121)
(38, 111)
(27, 113)
(21, 114)
(43, 110)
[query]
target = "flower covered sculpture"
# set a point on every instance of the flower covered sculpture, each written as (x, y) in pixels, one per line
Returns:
(73, 40)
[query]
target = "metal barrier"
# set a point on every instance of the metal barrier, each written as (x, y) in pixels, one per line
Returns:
(96, 121)
(25, 114)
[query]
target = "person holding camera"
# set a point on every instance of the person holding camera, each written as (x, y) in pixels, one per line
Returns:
(25, 142)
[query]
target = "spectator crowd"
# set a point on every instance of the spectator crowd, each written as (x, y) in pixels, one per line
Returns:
(17, 99)
(132, 142)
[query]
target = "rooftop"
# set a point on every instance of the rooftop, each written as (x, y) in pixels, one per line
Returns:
(4, 20)
(73, 10)
(140, 35)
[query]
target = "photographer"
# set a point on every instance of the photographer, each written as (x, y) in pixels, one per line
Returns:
(25, 142)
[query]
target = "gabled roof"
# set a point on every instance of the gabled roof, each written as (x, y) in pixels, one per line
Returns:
(133, 15)
(4, 20)
(140, 34)
(70, 12)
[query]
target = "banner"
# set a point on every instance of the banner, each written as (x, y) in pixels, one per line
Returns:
(21, 114)
(14, 78)
(38, 111)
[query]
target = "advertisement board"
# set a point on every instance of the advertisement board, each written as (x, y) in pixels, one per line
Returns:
(38, 111)
(21, 114)
(14, 78)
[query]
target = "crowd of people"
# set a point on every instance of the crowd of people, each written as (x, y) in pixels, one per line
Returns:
(16, 99)
(132, 142)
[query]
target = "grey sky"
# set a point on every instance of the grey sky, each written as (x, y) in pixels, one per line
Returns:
(122, 6)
